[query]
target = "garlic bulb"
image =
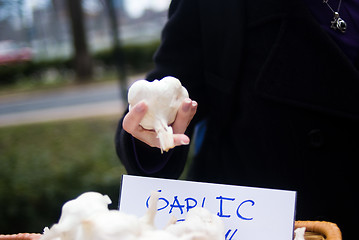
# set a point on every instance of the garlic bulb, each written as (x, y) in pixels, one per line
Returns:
(163, 98)
(199, 224)
(73, 213)
(299, 233)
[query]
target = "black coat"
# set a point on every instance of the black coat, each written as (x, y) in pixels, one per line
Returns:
(280, 99)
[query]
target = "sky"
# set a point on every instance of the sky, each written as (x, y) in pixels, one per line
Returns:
(136, 7)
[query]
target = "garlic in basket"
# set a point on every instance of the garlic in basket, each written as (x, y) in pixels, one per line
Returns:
(163, 98)
(74, 213)
(88, 218)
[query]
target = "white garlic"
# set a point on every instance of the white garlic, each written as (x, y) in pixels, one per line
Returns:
(163, 98)
(88, 218)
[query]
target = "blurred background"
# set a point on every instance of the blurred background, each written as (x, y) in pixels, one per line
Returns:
(65, 66)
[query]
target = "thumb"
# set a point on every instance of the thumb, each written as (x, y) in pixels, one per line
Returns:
(133, 118)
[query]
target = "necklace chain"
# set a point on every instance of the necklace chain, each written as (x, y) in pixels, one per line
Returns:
(340, 3)
(337, 22)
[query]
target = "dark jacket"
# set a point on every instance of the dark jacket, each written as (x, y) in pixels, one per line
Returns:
(280, 99)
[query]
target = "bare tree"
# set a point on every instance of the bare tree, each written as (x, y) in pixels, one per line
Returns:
(82, 58)
(10, 9)
(114, 21)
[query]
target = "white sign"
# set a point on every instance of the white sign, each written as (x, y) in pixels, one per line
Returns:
(248, 213)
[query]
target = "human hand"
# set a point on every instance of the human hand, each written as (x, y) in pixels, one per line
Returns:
(131, 123)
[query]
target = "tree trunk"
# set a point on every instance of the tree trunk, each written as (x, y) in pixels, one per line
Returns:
(82, 59)
(117, 51)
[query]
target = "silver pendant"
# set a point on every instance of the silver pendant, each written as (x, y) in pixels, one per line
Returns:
(338, 23)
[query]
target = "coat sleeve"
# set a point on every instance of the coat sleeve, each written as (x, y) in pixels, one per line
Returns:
(179, 55)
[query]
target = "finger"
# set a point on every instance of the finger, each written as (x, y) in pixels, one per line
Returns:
(184, 115)
(180, 139)
(147, 136)
(131, 124)
(151, 139)
(131, 121)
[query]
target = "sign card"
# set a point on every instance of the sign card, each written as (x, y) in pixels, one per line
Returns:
(248, 213)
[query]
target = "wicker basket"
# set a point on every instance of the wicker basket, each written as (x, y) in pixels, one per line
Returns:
(21, 236)
(317, 230)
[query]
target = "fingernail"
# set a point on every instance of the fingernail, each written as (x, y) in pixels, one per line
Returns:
(140, 107)
(185, 141)
(194, 103)
(187, 105)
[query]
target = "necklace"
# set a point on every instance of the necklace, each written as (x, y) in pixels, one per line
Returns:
(337, 23)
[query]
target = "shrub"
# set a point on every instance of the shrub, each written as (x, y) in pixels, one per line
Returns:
(137, 57)
(44, 165)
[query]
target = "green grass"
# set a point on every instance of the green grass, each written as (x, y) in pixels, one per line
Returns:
(44, 165)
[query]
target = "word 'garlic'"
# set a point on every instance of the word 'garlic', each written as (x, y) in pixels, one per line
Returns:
(163, 98)
(88, 218)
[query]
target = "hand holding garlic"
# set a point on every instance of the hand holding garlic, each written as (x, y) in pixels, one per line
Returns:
(160, 112)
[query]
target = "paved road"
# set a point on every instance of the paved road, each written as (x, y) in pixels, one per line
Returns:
(94, 99)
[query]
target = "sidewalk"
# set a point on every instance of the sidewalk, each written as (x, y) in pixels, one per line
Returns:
(91, 100)
(63, 113)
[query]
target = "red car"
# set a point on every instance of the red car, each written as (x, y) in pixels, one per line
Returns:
(10, 52)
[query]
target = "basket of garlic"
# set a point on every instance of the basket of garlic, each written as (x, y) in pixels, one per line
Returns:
(88, 218)
(21, 236)
(316, 230)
